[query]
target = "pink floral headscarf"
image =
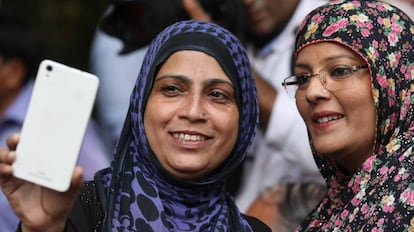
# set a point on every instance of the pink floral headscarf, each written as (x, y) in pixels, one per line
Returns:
(379, 196)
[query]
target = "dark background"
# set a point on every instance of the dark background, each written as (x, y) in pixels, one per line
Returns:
(64, 28)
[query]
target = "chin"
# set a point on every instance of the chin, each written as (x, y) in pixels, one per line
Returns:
(326, 150)
(189, 175)
(189, 172)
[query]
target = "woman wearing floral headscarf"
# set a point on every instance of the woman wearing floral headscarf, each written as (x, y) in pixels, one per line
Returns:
(193, 115)
(353, 84)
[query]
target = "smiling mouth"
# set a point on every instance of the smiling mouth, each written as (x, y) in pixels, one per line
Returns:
(189, 137)
(328, 118)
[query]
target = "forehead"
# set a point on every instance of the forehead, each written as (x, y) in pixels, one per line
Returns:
(192, 64)
(190, 59)
(325, 51)
(186, 53)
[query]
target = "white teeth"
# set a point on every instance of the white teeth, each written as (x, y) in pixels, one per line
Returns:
(188, 137)
(328, 118)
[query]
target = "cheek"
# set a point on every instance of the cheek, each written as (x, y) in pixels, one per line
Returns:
(360, 110)
(301, 105)
(229, 125)
(360, 101)
(232, 127)
(156, 116)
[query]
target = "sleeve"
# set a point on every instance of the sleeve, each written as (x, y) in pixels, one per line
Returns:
(86, 214)
(287, 134)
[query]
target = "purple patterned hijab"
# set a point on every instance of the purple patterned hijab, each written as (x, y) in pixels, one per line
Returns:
(142, 195)
(379, 196)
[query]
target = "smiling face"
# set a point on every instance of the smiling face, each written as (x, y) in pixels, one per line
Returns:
(191, 117)
(341, 122)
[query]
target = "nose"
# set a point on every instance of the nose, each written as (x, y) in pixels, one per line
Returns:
(316, 88)
(194, 108)
(322, 77)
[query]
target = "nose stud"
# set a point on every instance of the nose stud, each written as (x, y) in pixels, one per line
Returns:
(203, 114)
(324, 91)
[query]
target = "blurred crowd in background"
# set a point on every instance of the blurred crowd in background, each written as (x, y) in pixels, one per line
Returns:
(64, 28)
(63, 24)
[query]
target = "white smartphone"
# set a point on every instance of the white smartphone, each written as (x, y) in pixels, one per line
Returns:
(55, 125)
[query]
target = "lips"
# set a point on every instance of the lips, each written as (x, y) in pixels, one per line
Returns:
(329, 118)
(325, 117)
(189, 137)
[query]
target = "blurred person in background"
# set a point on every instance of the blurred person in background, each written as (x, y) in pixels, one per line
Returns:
(19, 59)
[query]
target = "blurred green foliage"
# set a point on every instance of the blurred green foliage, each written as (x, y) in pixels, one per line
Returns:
(64, 28)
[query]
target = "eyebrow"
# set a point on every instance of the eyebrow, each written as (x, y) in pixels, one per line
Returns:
(178, 77)
(187, 80)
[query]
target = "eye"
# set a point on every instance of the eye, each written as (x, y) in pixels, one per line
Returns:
(340, 72)
(171, 90)
(215, 94)
(302, 79)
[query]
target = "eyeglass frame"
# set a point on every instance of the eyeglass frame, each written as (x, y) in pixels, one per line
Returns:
(353, 69)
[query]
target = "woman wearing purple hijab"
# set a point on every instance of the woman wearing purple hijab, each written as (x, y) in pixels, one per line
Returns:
(192, 117)
(354, 88)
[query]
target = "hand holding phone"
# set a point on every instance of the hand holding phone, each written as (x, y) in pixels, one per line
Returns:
(55, 125)
(37, 207)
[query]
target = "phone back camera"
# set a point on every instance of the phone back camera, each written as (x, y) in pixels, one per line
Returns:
(49, 68)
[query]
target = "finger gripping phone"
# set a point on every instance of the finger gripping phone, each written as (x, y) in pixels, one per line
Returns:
(55, 125)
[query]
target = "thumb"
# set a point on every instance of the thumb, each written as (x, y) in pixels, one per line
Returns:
(77, 181)
(12, 141)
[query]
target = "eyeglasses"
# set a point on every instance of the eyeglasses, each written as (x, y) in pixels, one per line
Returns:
(332, 79)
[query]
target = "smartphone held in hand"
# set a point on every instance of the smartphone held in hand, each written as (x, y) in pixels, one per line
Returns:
(55, 125)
